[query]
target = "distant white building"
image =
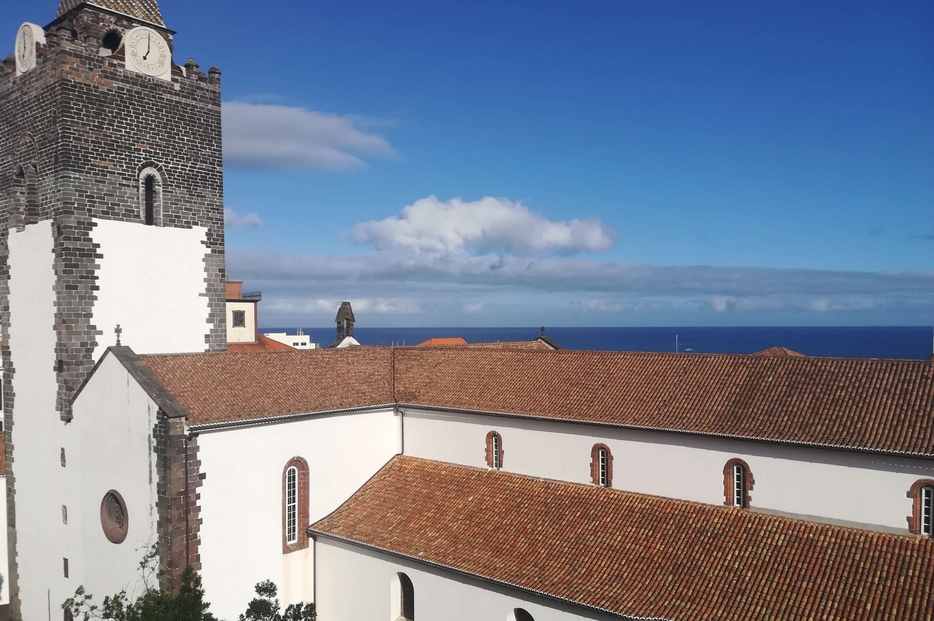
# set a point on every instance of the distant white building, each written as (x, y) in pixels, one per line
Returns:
(299, 340)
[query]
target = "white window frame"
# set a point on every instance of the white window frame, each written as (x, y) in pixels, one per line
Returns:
(926, 513)
(603, 465)
(291, 505)
(496, 443)
(739, 486)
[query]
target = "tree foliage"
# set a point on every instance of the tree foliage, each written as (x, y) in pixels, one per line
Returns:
(265, 607)
(186, 605)
(153, 605)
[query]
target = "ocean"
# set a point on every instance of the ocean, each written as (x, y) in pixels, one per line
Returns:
(911, 342)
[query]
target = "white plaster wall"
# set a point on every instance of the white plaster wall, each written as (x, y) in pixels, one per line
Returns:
(151, 283)
(241, 498)
(113, 424)
(246, 334)
(4, 553)
(840, 486)
(37, 433)
(355, 583)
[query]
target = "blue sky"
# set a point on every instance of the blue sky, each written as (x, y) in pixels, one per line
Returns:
(573, 163)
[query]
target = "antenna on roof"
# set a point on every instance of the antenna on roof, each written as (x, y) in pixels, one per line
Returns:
(676, 345)
(118, 331)
(543, 330)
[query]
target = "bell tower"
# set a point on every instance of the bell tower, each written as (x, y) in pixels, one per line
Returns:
(111, 213)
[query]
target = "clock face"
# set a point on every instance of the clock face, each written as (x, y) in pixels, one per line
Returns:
(25, 48)
(147, 52)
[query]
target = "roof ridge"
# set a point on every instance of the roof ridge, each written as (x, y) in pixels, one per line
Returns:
(750, 513)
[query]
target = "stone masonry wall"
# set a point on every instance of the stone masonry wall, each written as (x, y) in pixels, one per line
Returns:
(75, 132)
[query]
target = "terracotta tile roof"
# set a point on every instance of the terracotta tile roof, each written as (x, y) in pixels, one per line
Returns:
(779, 352)
(877, 405)
(443, 341)
(883, 405)
(146, 10)
(225, 387)
(534, 345)
(636, 555)
(263, 343)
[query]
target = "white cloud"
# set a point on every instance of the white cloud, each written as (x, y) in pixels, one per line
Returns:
(798, 302)
(447, 255)
(603, 305)
(316, 306)
(235, 220)
(269, 136)
(487, 225)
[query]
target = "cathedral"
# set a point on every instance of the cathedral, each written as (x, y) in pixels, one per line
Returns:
(450, 483)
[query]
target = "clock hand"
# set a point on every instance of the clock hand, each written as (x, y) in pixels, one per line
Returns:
(148, 46)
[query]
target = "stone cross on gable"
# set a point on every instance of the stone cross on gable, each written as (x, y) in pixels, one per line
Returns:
(118, 331)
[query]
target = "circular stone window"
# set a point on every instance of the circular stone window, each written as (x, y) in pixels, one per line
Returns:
(114, 518)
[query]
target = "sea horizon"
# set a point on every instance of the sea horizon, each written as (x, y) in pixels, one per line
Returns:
(895, 342)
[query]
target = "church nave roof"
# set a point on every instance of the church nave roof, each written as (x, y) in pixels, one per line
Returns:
(863, 404)
(633, 554)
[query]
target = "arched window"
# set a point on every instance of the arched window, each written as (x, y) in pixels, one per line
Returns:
(921, 521)
(32, 194)
(291, 505)
(149, 199)
(494, 450)
(402, 595)
(520, 614)
(737, 484)
(150, 196)
(601, 465)
(294, 505)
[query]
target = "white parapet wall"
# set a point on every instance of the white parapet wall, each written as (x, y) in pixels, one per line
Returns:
(242, 498)
(837, 486)
(113, 449)
(37, 433)
(357, 583)
(152, 284)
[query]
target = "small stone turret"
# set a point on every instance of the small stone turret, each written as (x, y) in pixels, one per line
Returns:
(345, 321)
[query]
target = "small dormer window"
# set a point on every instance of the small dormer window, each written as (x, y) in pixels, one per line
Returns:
(239, 319)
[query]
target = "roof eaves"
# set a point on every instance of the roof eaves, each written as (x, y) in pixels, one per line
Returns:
(312, 532)
(281, 418)
(837, 447)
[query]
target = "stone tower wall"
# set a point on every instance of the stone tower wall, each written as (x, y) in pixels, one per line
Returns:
(75, 134)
